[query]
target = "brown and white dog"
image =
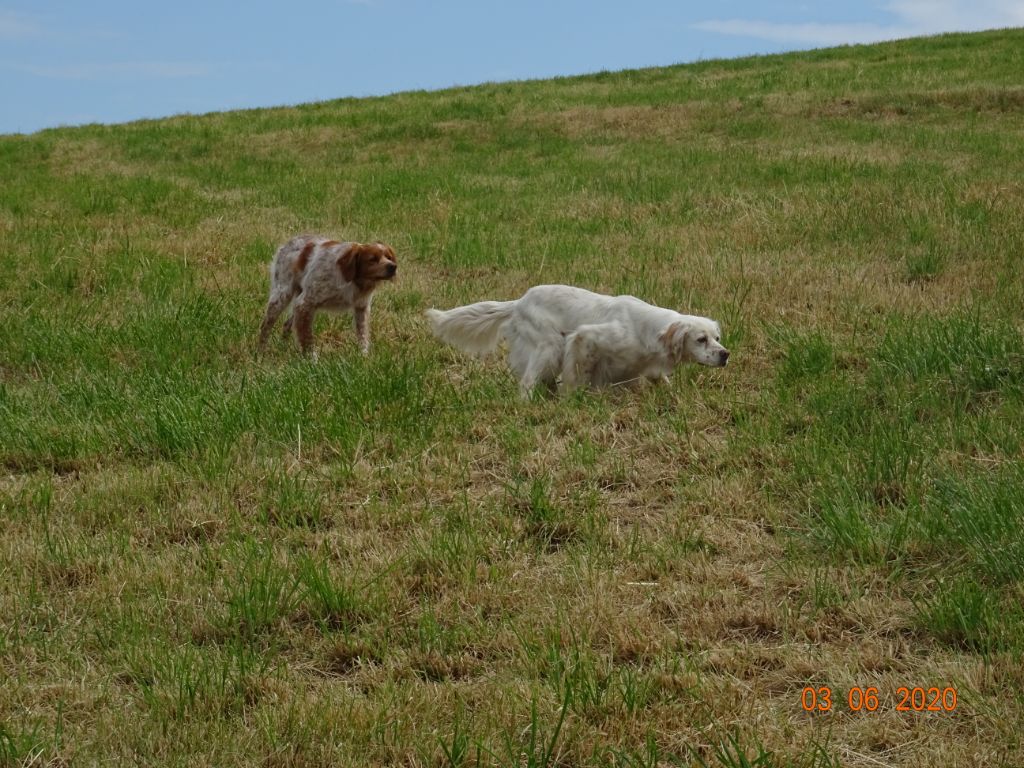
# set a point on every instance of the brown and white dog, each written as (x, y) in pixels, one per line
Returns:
(319, 273)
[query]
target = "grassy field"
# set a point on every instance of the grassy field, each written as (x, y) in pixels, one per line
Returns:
(208, 557)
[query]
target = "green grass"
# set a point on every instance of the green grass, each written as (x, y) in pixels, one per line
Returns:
(215, 557)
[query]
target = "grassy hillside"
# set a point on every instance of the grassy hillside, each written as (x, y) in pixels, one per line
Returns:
(210, 557)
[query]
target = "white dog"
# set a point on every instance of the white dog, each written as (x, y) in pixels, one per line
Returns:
(584, 337)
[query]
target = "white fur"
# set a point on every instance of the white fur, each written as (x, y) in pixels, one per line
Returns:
(583, 337)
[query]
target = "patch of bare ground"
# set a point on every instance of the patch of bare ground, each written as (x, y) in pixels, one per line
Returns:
(620, 122)
(89, 157)
(902, 104)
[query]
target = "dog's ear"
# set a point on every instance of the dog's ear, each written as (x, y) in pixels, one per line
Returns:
(674, 339)
(349, 263)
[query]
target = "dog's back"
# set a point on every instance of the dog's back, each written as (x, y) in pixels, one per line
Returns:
(542, 315)
(565, 308)
(290, 260)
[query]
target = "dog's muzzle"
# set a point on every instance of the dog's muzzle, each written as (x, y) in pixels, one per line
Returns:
(723, 357)
(392, 269)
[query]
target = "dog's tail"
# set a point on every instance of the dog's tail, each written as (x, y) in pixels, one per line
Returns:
(474, 328)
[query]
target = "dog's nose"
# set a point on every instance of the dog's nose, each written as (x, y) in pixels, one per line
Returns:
(724, 356)
(392, 268)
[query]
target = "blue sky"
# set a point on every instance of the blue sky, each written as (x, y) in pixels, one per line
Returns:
(75, 61)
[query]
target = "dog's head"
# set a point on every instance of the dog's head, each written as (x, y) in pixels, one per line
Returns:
(696, 340)
(368, 264)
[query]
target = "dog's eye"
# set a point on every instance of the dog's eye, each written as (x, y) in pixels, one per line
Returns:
(702, 340)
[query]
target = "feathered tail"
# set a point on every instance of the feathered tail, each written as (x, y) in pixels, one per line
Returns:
(474, 328)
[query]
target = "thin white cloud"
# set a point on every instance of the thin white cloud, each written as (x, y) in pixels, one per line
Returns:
(148, 70)
(910, 18)
(805, 33)
(16, 26)
(958, 15)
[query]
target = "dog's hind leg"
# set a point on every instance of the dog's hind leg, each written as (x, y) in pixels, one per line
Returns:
(286, 329)
(541, 368)
(577, 362)
(277, 304)
(534, 355)
(302, 320)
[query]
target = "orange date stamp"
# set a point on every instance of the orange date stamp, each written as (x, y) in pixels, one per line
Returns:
(822, 699)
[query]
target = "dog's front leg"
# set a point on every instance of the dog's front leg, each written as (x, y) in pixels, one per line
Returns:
(362, 315)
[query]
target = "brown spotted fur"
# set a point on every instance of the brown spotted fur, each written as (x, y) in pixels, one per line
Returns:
(312, 273)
